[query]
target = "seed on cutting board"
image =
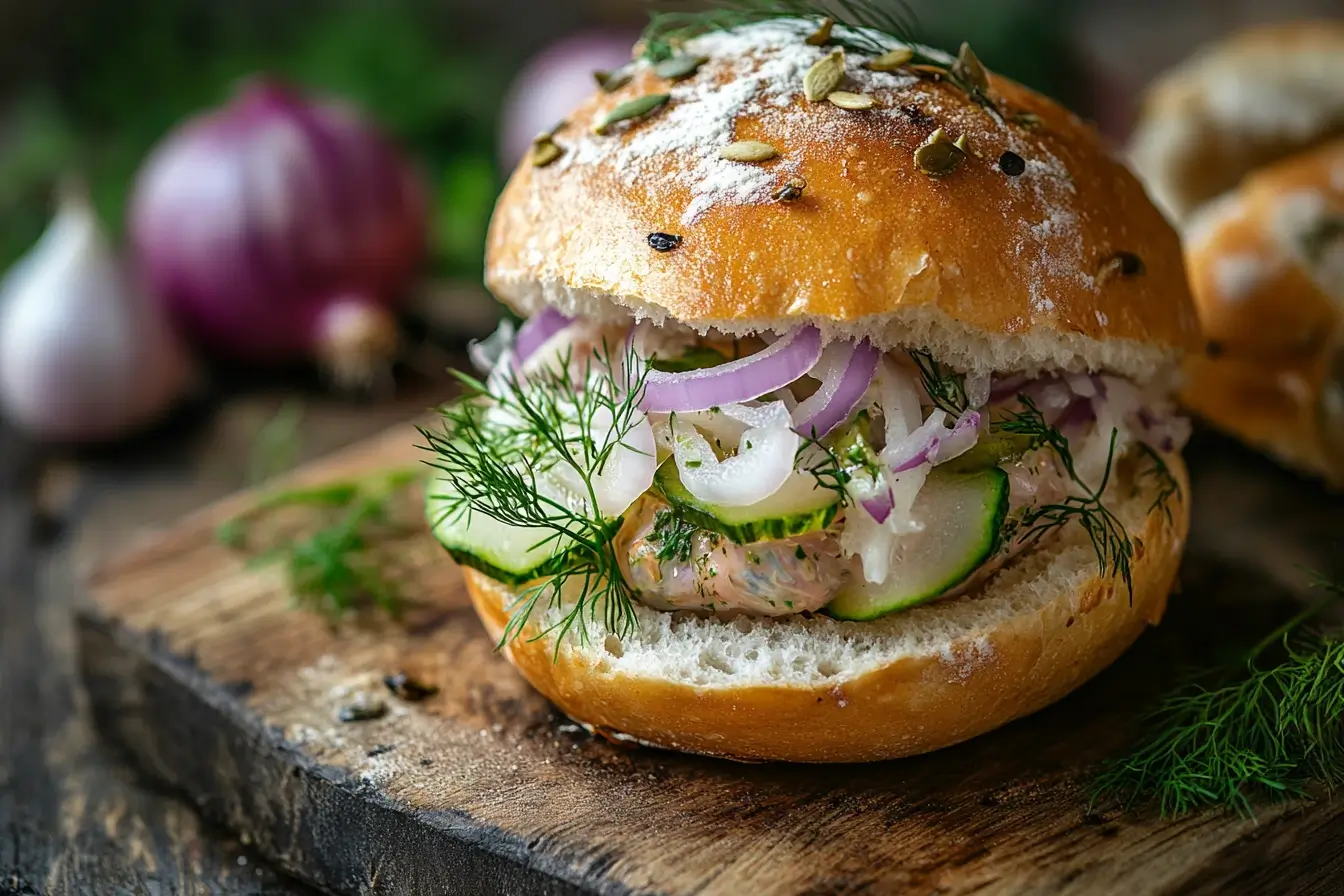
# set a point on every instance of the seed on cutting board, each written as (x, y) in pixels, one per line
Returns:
(748, 151)
(365, 709)
(679, 67)
(631, 109)
(408, 688)
(855, 101)
(890, 62)
(824, 76)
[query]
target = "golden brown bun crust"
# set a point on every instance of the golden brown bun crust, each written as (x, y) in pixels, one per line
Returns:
(1272, 312)
(1265, 93)
(906, 707)
(872, 234)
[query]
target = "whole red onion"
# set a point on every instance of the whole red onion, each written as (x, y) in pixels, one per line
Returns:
(279, 227)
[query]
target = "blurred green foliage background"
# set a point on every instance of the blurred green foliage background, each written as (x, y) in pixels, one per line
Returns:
(135, 68)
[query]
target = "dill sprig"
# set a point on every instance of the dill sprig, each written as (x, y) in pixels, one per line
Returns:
(946, 388)
(339, 566)
(1159, 474)
(1243, 732)
(673, 534)
(501, 452)
(1110, 540)
(863, 23)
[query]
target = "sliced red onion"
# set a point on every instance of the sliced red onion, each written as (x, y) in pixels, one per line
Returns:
(1077, 413)
(879, 500)
(846, 370)
(914, 450)
(1007, 386)
(536, 330)
(960, 439)
(933, 443)
(736, 381)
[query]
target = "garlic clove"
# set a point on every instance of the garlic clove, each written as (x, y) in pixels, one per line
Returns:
(84, 355)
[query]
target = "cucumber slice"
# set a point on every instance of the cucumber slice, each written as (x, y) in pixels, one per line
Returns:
(994, 448)
(694, 358)
(799, 506)
(509, 554)
(963, 514)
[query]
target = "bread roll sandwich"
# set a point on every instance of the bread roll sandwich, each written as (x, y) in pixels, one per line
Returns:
(839, 426)
(1263, 94)
(1267, 269)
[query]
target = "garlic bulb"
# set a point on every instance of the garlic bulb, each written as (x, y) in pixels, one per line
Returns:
(84, 356)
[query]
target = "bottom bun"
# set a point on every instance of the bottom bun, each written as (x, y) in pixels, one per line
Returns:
(820, 690)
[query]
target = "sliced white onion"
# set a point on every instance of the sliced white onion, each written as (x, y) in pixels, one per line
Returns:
(536, 330)
(485, 353)
(764, 459)
(629, 467)
(845, 370)
(901, 413)
(745, 379)
(876, 543)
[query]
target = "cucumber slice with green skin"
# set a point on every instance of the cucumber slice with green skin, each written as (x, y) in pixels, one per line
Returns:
(694, 358)
(963, 514)
(509, 554)
(798, 507)
(994, 448)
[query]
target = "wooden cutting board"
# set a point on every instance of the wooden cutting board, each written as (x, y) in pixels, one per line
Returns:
(201, 668)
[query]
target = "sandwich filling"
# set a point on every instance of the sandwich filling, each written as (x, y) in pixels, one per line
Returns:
(596, 466)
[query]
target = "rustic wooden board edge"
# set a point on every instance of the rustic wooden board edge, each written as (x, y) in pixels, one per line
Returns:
(191, 734)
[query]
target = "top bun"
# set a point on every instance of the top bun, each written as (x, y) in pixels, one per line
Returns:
(1264, 94)
(1053, 258)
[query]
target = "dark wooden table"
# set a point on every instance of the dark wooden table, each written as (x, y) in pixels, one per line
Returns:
(74, 816)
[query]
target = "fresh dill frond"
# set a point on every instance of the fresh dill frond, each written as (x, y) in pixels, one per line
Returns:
(863, 23)
(1159, 474)
(946, 388)
(1110, 540)
(673, 534)
(1244, 732)
(502, 453)
(337, 567)
(825, 465)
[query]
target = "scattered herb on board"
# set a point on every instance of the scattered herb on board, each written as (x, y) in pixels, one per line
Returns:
(338, 567)
(277, 445)
(494, 468)
(1266, 727)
